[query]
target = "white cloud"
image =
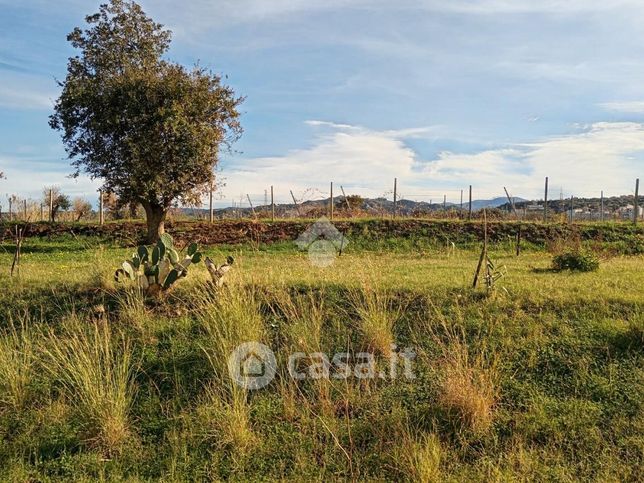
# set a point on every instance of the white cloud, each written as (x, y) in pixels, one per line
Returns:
(629, 107)
(24, 98)
(601, 156)
(348, 155)
(27, 175)
(225, 12)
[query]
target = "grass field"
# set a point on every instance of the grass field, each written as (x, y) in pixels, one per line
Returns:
(540, 379)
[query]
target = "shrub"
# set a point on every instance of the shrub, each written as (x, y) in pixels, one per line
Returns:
(577, 260)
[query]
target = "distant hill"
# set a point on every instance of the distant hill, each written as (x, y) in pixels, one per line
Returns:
(380, 206)
(373, 206)
(494, 203)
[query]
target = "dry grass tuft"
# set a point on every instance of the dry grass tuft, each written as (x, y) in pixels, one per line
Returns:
(95, 370)
(230, 317)
(468, 388)
(226, 420)
(378, 313)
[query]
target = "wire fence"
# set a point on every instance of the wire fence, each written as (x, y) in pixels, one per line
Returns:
(347, 201)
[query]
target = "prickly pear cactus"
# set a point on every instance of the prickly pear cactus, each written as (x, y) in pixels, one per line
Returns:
(156, 271)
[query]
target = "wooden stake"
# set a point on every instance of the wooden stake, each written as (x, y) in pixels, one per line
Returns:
(346, 200)
(51, 205)
(16, 256)
(571, 205)
(25, 209)
(519, 241)
(251, 206)
(469, 214)
(272, 205)
(511, 203)
(297, 207)
(601, 207)
(483, 251)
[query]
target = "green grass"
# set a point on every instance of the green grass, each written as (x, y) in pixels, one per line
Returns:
(540, 380)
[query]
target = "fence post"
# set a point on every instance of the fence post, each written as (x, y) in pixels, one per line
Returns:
(25, 209)
(51, 205)
(545, 203)
(395, 196)
(461, 202)
(572, 198)
(636, 206)
(272, 205)
(101, 209)
(10, 209)
(211, 214)
(331, 202)
(444, 202)
(601, 207)
(469, 213)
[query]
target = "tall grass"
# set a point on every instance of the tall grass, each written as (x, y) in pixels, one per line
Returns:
(17, 364)
(96, 371)
(377, 312)
(420, 457)
(304, 315)
(468, 388)
(467, 373)
(229, 318)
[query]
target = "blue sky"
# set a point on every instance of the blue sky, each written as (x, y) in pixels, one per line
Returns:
(440, 94)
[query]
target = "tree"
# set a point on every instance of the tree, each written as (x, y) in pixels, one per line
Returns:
(81, 207)
(149, 128)
(59, 201)
(113, 206)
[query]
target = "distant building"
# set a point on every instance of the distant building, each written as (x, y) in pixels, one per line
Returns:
(629, 210)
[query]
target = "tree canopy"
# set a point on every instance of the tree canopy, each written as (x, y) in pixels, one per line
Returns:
(59, 201)
(149, 128)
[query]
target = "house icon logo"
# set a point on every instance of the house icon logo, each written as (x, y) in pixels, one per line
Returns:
(323, 241)
(252, 365)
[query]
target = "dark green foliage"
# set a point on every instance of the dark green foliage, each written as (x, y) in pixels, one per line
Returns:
(149, 128)
(576, 260)
(162, 270)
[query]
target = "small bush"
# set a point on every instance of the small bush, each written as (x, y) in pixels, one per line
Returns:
(579, 261)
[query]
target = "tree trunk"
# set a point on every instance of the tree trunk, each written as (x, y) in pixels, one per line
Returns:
(155, 217)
